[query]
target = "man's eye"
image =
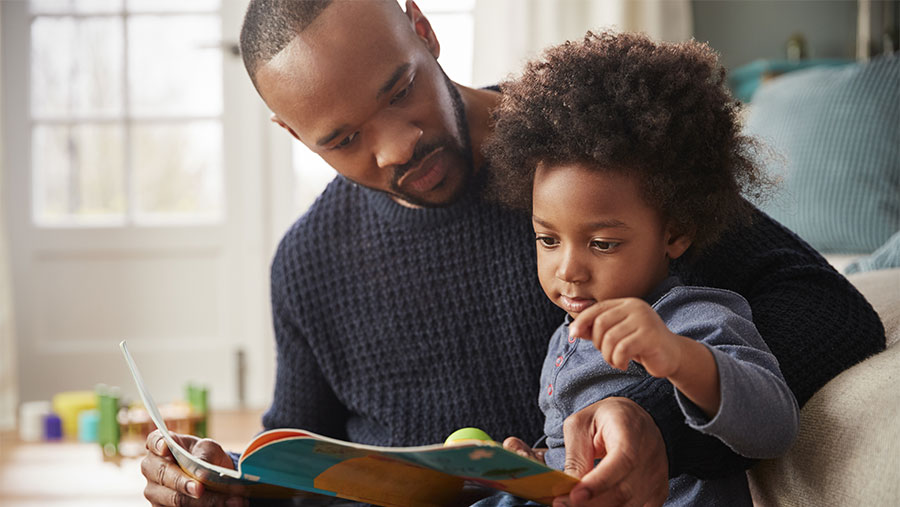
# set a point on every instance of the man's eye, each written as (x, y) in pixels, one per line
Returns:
(603, 246)
(546, 241)
(345, 141)
(402, 94)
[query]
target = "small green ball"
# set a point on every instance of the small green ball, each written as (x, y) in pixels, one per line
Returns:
(468, 434)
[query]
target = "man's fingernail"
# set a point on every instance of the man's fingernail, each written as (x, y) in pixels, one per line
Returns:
(192, 489)
(580, 496)
(160, 445)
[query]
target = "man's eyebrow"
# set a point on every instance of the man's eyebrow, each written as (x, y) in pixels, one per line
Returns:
(386, 87)
(330, 137)
(389, 84)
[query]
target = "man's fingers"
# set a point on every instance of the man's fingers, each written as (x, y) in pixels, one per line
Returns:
(619, 462)
(162, 496)
(633, 471)
(169, 475)
(157, 444)
(579, 440)
(516, 445)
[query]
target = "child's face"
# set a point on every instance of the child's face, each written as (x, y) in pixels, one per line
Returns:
(596, 237)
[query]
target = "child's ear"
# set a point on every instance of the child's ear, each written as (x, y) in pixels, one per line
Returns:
(677, 241)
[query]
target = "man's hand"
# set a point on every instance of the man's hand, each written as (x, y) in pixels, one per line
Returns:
(169, 486)
(629, 329)
(633, 470)
(519, 447)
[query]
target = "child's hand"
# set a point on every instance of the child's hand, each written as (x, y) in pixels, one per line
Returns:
(522, 449)
(629, 329)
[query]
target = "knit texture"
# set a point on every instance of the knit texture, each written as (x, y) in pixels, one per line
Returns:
(397, 326)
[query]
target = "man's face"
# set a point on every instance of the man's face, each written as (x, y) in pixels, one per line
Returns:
(361, 88)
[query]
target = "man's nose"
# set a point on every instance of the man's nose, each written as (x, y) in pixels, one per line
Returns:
(396, 141)
(571, 269)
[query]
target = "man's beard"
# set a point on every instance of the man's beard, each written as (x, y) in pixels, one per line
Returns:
(460, 149)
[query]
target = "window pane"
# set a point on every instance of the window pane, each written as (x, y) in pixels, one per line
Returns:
(76, 66)
(172, 5)
(457, 33)
(76, 6)
(179, 73)
(177, 171)
(78, 174)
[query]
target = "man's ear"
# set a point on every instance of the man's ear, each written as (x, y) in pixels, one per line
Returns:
(275, 119)
(677, 241)
(423, 28)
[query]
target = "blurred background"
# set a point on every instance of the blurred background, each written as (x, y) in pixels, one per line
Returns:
(144, 189)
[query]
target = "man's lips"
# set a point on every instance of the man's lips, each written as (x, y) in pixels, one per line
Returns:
(575, 304)
(426, 175)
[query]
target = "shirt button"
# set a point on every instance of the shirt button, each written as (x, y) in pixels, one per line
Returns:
(572, 339)
(549, 389)
(559, 361)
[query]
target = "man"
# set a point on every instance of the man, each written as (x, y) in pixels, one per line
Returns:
(396, 325)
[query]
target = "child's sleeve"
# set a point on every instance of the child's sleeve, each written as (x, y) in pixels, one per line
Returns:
(758, 416)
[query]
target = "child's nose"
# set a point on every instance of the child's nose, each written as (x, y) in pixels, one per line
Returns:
(571, 269)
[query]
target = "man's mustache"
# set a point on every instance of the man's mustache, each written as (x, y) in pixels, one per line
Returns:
(419, 153)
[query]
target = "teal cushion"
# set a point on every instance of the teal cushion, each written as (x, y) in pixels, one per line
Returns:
(837, 131)
(746, 79)
(886, 257)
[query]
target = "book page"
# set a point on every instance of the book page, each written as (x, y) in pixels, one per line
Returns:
(207, 473)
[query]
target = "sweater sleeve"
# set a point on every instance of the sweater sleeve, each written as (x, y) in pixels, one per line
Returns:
(812, 319)
(758, 415)
(303, 397)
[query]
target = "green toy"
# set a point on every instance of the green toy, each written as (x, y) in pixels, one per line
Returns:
(467, 434)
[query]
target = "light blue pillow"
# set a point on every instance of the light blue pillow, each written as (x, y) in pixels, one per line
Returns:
(886, 257)
(838, 131)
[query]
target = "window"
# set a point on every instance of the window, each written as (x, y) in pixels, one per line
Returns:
(126, 112)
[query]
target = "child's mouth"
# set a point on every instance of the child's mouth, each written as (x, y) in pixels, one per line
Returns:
(575, 304)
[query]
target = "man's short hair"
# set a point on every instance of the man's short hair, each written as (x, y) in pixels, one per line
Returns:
(270, 25)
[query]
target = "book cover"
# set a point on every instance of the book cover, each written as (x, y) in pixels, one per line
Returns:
(287, 462)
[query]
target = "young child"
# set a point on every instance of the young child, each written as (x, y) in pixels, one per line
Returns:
(628, 154)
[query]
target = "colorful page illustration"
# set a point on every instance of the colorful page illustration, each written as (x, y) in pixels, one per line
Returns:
(286, 462)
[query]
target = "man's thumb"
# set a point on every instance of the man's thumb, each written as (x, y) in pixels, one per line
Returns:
(579, 450)
(210, 451)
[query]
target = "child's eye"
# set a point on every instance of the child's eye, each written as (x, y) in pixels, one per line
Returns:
(546, 241)
(345, 141)
(603, 246)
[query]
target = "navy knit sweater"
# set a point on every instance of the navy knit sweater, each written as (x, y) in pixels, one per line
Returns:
(396, 326)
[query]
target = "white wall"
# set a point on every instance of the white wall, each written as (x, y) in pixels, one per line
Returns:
(7, 339)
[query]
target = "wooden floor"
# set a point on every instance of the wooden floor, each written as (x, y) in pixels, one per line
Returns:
(70, 474)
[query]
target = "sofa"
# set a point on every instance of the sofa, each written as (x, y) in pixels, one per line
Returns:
(848, 448)
(830, 134)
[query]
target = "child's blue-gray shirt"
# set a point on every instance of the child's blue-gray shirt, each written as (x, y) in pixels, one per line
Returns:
(758, 415)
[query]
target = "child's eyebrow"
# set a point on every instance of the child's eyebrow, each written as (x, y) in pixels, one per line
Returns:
(609, 224)
(612, 223)
(540, 222)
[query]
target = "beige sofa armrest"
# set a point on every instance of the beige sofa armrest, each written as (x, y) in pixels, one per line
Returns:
(848, 448)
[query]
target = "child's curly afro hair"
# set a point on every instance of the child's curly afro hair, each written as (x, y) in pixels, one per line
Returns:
(622, 102)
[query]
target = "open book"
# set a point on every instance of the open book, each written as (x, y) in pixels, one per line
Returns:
(286, 462)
